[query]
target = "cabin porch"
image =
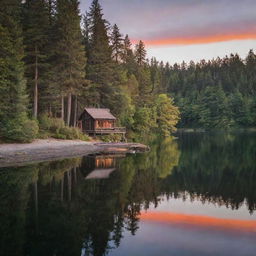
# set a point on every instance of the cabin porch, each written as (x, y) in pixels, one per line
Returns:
(106, 131)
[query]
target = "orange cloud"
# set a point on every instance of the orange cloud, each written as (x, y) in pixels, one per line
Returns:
(198, 40)
(197, 220)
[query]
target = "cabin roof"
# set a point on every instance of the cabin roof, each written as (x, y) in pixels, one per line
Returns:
(100, 113)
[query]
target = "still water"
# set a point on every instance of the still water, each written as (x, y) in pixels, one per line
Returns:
(193, 195)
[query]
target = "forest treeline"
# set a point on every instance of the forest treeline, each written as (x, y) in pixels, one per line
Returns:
(54, 61)
(218, 93)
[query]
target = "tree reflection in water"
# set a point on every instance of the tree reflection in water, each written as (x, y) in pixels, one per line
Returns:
(53, 209)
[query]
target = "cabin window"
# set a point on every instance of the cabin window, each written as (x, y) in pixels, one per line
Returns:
(104, 124)
(104, 162)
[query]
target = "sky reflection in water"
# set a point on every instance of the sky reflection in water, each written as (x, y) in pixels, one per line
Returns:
(194, 195)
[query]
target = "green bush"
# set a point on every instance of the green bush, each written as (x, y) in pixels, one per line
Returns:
(59, 136)
(30, 130)
(47, 123)
(44, 135)
(20, 130)
(111, 138)
(55, 127)
(70, 133)
(67, 132)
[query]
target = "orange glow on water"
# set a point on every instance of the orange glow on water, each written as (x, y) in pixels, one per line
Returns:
(199, 40)
(198, 220)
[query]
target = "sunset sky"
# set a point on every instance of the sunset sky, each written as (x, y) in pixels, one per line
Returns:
(199, 220)
(176, 30)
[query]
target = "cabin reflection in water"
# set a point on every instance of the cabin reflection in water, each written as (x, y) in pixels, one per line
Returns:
(101, 166)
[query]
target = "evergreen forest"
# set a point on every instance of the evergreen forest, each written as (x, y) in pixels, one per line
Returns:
(55, 60)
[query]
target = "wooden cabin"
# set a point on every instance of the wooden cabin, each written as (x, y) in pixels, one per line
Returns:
(99, 121)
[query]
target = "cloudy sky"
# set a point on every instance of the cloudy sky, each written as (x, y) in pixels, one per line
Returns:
(177, 30)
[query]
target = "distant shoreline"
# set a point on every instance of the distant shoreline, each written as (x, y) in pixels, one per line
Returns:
(52, 149)
(188, 130)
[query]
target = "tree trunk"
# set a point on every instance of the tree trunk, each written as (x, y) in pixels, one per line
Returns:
(69, 108)
(36, 198)
(35, 109)
(75, 175)
(36, 205)
(50, 110)
(75, 112)
(62, 107)
(69, 173)
(62, 188)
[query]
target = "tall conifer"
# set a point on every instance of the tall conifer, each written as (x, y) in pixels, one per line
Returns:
(70, 53)
(36, 27)
(14, 123)
(140, 53)
(100, 65)
(116, 44)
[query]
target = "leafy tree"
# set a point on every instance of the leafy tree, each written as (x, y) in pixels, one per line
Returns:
(167, 115)
(144, 120)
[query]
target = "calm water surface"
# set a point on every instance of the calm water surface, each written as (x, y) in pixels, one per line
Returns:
(194, 195)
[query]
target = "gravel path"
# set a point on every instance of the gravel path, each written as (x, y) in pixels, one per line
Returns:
(41, 144)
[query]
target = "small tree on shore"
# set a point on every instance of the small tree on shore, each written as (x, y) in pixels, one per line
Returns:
(167, 115)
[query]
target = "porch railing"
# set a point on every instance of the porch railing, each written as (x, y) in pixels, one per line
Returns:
(107, 130)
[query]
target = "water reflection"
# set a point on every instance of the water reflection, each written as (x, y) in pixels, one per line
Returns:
(95, 205)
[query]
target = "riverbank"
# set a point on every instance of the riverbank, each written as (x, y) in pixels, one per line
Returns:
(53, 149)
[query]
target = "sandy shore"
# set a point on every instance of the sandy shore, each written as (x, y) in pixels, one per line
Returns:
(51, 149)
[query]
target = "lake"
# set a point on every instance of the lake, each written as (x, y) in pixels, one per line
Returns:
(190, 195)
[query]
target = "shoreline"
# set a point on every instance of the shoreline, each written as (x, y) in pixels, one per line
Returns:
(53, 149)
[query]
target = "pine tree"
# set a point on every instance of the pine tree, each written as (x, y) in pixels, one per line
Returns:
(239, 109)
(143, 77)
(155, 75)
(85, 32)
(100, 65)
(140, 53)
(128, 58)
(214, 109)
(70, 53)
(36, 27)
(251, 73)
(14, 123)
(116, 44)
(127, 49)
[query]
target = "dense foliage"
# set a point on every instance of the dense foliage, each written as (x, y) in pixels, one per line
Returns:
(14, 122)
(220, 93)
(71, 61)
(55, 61)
